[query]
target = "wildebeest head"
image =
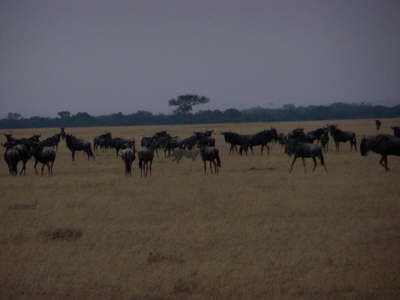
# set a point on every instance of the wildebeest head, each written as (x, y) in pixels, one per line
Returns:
(364, 146)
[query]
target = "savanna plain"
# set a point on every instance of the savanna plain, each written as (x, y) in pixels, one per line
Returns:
(252, 232)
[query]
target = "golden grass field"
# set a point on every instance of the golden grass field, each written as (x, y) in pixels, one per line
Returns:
(252, 232)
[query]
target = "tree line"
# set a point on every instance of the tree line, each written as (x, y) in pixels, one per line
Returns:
(184, 115)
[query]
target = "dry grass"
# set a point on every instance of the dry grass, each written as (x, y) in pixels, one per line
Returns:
(253, 232)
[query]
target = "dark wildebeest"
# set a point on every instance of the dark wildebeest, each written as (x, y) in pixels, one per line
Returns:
(52, 141)
(382, 144)
(103, 141)
(340, 136)
(378, 124)
(120, 143)
(45, 155)
(188, 143)
(233, 139)
(14, 154)
(210, 154)
(396, 131)
(75, 144)
(205, 139)
(262, 139)
(317, 133)
(303, 150)
(128, 156)
(146, 156)
(24, 141)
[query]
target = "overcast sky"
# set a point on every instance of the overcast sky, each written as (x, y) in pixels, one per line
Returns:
(122, 56)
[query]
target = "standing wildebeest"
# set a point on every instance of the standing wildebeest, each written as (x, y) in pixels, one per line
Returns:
(340, 136)
(210, 154)
(45, 155)
(303, 150)
(128, 156)
(103, 141)
(52, 141)
(262, 139)
(119, 144)
(75, 144)
(378, 124)
(14, 154)
(382, 144)
(317, 133)
(205, 139)
(146, 156)
(396, 131)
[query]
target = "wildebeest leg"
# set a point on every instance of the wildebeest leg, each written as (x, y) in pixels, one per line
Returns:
(268, 149)
(51, 169)
(386, 162)
(41, 171)
(73, 155)
(34, 166)
(211, 168)
(304, 164)
(150, 163)
(291, 167)
(205, 167)
(315, 163)
(216, 167)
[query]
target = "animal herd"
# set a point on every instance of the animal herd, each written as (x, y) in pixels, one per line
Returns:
(297, 143)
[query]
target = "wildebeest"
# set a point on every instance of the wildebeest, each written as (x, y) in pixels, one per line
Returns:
(340, 136)
(62, 132)
(188, 143)
(45, 155)
(382, 144)
(304, 150)
(378, 124)
(120, 143)
(396, 131)
(262, 139)
(210, 154)
(52, 141)
(75, 144)
(128, 157)
(178, 154)
(102, 142)
(24, 141)
(318, 133)
(205, 139)
(146, 156)
(14, 154)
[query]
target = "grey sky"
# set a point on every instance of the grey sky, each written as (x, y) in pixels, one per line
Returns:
(110, 56)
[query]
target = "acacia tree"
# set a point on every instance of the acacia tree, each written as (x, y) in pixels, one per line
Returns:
(185, 103)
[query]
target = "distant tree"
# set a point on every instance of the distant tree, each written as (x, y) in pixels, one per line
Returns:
(13, 116)
(185, 103)
(65, 115)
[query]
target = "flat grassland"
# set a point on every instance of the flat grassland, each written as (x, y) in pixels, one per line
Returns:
(252, 232)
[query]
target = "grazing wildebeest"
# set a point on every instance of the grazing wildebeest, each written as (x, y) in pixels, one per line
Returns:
(396, 131)
(210, 154)
(75, 144)
(303, 150)
(382, 144)
(45, 155)
(340, 136)
(14, 154)
(128, 156)
(178, 154)
(378, 124)
(146, 156)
